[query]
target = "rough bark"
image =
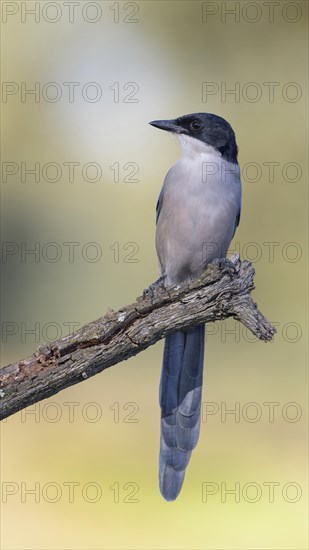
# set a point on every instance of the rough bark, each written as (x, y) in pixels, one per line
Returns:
(224, 290)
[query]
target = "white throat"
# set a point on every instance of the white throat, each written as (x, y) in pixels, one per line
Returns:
(192, 147)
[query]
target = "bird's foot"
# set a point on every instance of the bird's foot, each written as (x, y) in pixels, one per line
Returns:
(151, 290)
(229, 265)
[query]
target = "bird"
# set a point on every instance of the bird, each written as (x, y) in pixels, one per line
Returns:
(197, 213)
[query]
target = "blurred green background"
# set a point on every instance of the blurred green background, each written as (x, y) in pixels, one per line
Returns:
(149, 60)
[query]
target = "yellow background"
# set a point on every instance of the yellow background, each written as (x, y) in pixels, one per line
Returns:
(169, 52)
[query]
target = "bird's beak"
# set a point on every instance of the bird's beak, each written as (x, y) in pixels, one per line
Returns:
(169, 126)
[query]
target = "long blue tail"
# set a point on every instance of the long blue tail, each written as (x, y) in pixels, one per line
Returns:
(180, 401)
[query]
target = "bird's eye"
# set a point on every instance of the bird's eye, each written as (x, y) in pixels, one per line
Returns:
(195, 125)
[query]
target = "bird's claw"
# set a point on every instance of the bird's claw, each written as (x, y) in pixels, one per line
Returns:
(151, 290)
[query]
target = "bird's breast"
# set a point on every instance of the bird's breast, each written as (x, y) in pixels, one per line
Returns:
(201, 199)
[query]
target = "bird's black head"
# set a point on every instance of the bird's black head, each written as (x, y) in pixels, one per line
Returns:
(210, 129)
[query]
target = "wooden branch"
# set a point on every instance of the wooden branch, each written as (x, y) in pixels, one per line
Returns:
(222, 291)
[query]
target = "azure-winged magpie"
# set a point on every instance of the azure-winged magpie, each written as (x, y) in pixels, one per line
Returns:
(198, 211)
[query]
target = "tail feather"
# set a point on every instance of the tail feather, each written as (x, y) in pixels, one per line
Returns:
(180, 401)
(172, 361)
(187, 438)
(191, 376)
(171, 455)
(186, 422)
(171, 482)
